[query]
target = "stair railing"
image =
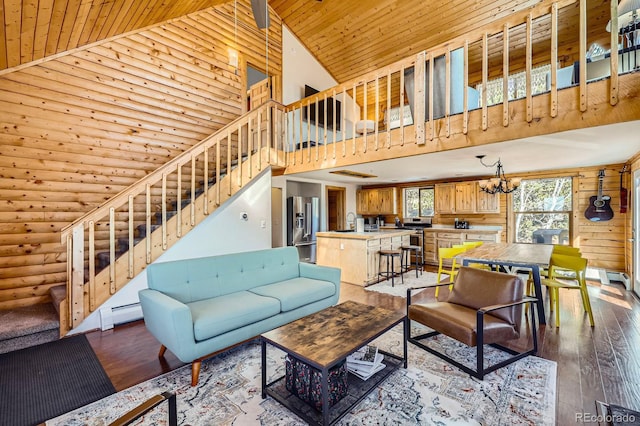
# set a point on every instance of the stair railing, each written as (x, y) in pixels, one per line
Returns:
(114, 242)
(398, 100)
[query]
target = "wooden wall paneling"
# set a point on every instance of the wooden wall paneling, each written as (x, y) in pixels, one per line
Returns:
(120, 109)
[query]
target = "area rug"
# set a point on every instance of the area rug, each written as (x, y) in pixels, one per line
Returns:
(410, 280)
(429, 392)
(50, 379)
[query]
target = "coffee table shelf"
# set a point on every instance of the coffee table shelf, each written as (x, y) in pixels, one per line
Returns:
(358, 390)
(323, 340)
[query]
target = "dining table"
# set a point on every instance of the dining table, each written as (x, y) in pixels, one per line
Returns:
(513, 257)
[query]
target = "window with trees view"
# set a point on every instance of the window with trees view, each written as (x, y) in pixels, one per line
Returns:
(418, 202)
(542, 210)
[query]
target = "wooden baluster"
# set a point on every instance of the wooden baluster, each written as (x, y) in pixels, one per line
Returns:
(353, 122)
(179, 201)
(529, 83)
(324, 139)
(485, 79)
(205, 184)
(218, 165)
(335, 122)
(583, 55)
(554, 60)
(148, 221)
(465, 85)
(163, 210)
(505, 75)
(269, 141)
(92, 264)
(419, 81)
(230, 190)
(112, 250)
(344, 122)
(431, 101)
(77, 275)
(447, 93)
(259, 130)
(193, 190)
(240, 161)
(130, 253)
(388, 112)
(402, 105)
(365, 116)
(613, 81)
(377, 112)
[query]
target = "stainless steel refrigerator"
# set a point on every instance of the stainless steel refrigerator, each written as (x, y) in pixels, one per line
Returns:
(303, 220)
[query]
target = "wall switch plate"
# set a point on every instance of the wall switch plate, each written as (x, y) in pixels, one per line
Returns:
(263, 224)
(341, 246)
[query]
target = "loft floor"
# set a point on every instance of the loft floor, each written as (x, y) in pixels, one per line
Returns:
(600, 363)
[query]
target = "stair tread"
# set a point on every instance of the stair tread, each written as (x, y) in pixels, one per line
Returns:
(58, 293)
(28, 320)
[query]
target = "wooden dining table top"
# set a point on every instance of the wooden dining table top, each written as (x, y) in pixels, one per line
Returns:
(513, 253)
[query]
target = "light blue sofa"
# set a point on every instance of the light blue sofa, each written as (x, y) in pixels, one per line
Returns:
(197, 307)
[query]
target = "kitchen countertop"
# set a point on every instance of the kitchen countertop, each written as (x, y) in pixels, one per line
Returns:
(364, 235)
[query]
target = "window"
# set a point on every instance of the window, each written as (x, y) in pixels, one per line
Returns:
(542, 211)
(418, 202)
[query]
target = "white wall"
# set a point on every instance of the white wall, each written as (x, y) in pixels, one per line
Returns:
(300, 67)
(222, 232)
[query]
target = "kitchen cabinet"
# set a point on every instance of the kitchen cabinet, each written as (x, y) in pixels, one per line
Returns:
(376, 201)
(485, 202)
(357, 254)
(445, 198)
(464, 198)
(435, 238)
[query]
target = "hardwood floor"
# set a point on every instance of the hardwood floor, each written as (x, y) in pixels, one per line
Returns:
(599, 363)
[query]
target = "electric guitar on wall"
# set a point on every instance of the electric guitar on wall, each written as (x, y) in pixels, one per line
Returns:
(599, 208)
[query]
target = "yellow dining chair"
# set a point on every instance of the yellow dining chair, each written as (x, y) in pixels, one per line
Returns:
(472, 243)
(448, 253)
(544, 272)
(559, 265)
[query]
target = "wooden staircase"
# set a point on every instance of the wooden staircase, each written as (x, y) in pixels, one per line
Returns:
(110, 245)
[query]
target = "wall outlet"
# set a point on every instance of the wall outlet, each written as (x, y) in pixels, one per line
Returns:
(341, 246)
(263, 223)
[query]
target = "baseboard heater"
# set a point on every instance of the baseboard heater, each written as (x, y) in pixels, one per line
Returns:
(606, 277)
(112, 316)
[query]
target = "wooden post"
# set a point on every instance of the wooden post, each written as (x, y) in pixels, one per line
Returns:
(418, 107)
(112, 250)
(130, 273)
(583, 55)
(447, 93)
(92, 264)
(505, 75)
(613, 81)
(77, 275)
(485, 79)
(465, 84)
(554, 60)
(164, 211)
(529, 47)
(148, 221)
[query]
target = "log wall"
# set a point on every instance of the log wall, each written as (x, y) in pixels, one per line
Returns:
(80, 127)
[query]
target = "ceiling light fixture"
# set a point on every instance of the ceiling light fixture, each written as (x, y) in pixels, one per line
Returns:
(627, 13)
(499, 183)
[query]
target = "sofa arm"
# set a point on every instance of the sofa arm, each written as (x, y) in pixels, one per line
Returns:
(324, 273)
(169, 320)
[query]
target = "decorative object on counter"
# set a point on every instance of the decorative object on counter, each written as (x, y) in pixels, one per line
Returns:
(461, 224)
(429, 390)
(499, 183)
(426, 278)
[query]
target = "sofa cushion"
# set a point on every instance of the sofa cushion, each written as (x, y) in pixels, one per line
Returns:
(297, 292)
(215, 316)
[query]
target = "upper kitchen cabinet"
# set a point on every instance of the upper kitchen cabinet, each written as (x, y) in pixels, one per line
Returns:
(445, 198)
(464, 198)
(485, 202)
(377, 201)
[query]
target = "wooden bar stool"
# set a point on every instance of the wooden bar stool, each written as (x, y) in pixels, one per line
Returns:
(391, 273)
(406, 258)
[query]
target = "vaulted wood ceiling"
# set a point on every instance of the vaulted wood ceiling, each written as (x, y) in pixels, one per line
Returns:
(349, 37)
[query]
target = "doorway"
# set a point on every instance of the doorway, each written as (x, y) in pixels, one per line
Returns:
(634, 232)
(336, 208)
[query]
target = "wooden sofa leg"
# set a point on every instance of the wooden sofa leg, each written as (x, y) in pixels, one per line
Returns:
(195, 372)
(163, 349)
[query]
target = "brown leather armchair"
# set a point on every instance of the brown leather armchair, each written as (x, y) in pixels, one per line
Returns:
(484, 307)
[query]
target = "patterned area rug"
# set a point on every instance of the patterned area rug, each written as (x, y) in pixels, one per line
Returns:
(410, 280)
(429, 392)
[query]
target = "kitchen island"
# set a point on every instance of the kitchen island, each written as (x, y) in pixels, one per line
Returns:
(356, 253)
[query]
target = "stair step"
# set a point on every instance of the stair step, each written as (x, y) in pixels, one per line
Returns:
(142, 229)
(28, 326)
(123, 243)
(58, 293)
(103, 259)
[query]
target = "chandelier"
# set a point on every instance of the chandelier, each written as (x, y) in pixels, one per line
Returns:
(499, 183)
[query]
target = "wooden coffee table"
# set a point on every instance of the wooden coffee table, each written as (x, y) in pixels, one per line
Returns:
(323, 340)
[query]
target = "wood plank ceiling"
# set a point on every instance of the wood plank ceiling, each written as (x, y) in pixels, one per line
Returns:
(32, 29)
(349, 37)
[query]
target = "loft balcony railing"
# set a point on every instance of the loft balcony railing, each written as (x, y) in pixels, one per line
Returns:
(427, 99)
(111, 244)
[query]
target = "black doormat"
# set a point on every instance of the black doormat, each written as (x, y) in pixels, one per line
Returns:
(47, 380)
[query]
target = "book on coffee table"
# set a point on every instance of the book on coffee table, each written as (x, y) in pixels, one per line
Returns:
(365, 362)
